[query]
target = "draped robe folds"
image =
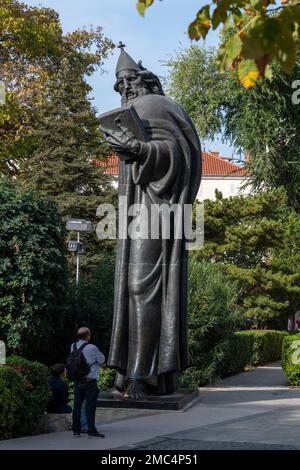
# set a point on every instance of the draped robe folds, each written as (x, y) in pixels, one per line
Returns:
(149, 333)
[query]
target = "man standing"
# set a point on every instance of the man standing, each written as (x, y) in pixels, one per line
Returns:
(86, 388)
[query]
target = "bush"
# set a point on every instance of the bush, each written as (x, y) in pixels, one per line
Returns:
(11, 401)
(213, 314)
(33, 270)
(237, 352)
(34, 379)
(250, 349)
(291, 358)
(106, 378)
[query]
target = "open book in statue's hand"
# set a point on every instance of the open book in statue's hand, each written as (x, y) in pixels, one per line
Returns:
(116, 123)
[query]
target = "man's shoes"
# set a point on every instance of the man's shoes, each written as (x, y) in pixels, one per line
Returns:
(96, 434)
(76, 434)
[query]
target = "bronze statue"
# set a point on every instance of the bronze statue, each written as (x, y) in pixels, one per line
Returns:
(149, 336)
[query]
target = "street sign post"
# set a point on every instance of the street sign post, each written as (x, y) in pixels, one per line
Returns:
(76, 246)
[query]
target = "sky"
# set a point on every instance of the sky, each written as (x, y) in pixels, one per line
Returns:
(152, 39)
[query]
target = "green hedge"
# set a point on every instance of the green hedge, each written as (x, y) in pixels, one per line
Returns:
(291, 358)
(241, 350)
(11, 401)
(250, 349)
(25, 383)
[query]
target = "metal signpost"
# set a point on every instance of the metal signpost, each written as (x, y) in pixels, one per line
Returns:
(78, 225)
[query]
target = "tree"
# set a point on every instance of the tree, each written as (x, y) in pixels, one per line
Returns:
(263, 31)
(195, 82)
(33, 271)
(213, 314)
(256, 239)
(91, 304)
(262, 122)
(66, 142)
(32, 49)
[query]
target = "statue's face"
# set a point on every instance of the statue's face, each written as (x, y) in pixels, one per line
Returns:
(131, 85)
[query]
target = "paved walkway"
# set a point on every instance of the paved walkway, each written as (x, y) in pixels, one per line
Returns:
(252, 410)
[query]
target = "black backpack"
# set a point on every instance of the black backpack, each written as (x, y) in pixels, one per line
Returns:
(76, 364)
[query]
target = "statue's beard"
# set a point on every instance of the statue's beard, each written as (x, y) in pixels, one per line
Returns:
(132, 95)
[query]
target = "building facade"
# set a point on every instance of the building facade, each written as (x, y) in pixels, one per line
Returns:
(217, 174)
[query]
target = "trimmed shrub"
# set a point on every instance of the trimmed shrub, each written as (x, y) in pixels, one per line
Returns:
(34, 378)
(241, 350)
(250, 349)
(291, 358)
(267, 346)
(237, 353)
(11, 401)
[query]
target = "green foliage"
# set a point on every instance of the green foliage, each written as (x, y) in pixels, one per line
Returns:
(33, 48)
(239, 351)
(263, 122)
(36, 393)
(23, 396)
(96, 299)
(196, 84)
(212, 316)
(32, 269)
(67, 141)
(256, 239)
(88, 304)
(28, 31)
(11, 401)
(291, 358)
(262, 32)
(250, 349)
(106, 378)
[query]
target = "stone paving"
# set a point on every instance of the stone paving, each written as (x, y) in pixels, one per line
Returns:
(188, 444)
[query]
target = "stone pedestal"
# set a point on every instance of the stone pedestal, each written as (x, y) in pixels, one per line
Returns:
(178, 401)
(59, 422)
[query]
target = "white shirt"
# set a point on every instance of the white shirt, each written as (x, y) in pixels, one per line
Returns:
(93, 357)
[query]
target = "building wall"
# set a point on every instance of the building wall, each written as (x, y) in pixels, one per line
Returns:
(229, 186)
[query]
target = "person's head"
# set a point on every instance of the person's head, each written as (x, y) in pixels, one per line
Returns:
(58, 370)
(84, 333)
(133, 80)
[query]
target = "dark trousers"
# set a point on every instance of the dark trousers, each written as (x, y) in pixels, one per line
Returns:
(85, 390)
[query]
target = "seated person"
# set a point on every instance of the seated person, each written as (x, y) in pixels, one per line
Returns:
(58, 402)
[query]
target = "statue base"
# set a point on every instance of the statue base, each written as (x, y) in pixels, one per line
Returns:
(177, 401)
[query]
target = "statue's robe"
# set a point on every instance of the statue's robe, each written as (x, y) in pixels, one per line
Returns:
(149, 334)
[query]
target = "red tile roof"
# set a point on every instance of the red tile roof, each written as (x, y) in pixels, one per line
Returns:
(213, 165)
(111, 165)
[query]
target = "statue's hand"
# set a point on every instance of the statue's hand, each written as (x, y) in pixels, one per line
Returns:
(124, 141)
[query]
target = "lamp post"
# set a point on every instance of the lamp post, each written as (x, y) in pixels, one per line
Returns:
(78, 225)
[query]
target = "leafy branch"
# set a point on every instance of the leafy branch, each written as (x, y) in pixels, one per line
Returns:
(253, 35)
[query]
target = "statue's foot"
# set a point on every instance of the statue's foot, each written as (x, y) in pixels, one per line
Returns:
(135, 390)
